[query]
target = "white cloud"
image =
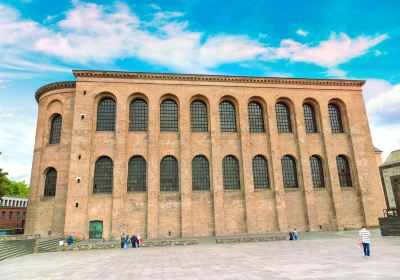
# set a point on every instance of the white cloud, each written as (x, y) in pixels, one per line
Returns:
(385, 107)
(302, 32)
(336, 73)
(375, 87)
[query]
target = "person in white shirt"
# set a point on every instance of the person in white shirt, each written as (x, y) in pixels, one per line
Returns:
(365, 239)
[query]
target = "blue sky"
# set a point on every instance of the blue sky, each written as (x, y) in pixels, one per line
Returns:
(41, 41)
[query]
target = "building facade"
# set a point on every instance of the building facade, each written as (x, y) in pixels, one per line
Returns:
(201, 155)
(13, 212)
(390, 175)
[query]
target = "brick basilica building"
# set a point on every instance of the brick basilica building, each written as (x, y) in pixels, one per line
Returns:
(200, 155)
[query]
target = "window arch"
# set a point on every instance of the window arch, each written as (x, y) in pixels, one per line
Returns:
(103, 175)
(200, 173)
(169, 174)
(283, 118)
(137, 174)
(198, 116)
(335, 118)
(344, 171)
(55, 129)
(309, 118)
(260, 172)
(231, 175)
(50, 182)
(169, 115)
(227, 116)
(317, 172)
(106, 112)
(256, 117)
(138, 113)
(289, 172)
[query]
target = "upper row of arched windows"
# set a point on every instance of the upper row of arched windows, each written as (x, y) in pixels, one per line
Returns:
(138, 117)
(169, 174)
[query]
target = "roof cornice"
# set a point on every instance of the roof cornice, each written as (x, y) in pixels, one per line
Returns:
(53, 86)
(215, 78)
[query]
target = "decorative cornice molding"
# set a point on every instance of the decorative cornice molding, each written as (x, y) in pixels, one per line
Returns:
(53, 86)
(215, 78)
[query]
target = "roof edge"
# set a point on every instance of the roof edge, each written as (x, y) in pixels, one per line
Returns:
(215, 78)
(58, 85)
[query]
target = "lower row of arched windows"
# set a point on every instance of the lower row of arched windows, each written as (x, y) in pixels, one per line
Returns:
(169, 174)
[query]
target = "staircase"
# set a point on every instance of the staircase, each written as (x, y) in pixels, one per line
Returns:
(48, 245)
(15, 248)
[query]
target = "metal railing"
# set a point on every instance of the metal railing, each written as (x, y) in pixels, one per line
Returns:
(390, 213)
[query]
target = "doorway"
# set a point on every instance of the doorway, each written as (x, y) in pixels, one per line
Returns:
(96, 230)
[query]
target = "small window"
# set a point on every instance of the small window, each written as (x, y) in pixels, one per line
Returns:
(3, 215)
(227, 115)
(106, 112)
(103, 175)
(335, 118)
(344, 171)
(50, 182)
(256, 117)
(17, 215)
(289, 172)
(283, 118)
(137, 174)
(309, 118)
(260, 173)
(169, 174)
(10, 215)
(317, 172)
(55, 130)
(138, 115)
(168, 116)
(198, 116)
(231, 175)
(200, 173)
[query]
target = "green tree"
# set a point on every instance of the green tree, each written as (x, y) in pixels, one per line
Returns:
(3, 178)
(9, 187)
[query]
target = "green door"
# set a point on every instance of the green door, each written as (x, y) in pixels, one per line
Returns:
(96, 230)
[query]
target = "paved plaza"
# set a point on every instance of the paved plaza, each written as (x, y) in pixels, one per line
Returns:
(315, 256)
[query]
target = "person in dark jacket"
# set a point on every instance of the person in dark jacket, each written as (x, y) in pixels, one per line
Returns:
(133, 240)
(122, 240)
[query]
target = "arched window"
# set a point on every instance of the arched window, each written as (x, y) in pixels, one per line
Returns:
(137, 174)
(343, 171)
(336, 118)
(50, 182)
(260, 173)
(138, 115)
(283, 118)
(231, 175)
(103, 175)
(309, 118)
(55, 129)
(200, 174)
(169, 116)
(289, 172)
(106, 115)
(198, 116)
(317, 172)
(227, 116)
(169, 174)
(256, 117)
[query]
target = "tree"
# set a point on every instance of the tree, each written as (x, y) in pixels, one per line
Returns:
(9, 187)
(3, 178)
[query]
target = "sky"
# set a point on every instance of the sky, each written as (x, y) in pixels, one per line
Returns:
(41, 41)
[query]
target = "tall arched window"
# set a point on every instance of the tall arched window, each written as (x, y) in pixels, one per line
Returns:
(106, 112)
(317, 172)
(200, 174)
(169, 174)
(335, 118)
(168, 116)
(138, 115)
(198, 116)
(227, 116)
(256, 117)
(103, 175)
(55, 129)
(50, 182)
(309, 118)
(137, 174)
(283, 118)
(344, 171)
(260, 173)
(231, 175)
(289, 172)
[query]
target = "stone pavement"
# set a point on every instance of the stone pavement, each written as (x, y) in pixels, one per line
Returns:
(315, 256)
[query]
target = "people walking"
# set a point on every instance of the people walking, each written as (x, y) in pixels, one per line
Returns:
(138, 239)
(291, 237)
(365, 240)
(133, 241)
(126, 244)
(122, 240)
(295, 236)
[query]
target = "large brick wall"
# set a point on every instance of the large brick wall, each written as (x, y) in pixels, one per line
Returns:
(218, 212)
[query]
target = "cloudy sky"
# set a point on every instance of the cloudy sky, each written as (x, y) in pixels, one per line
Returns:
(42, 40)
